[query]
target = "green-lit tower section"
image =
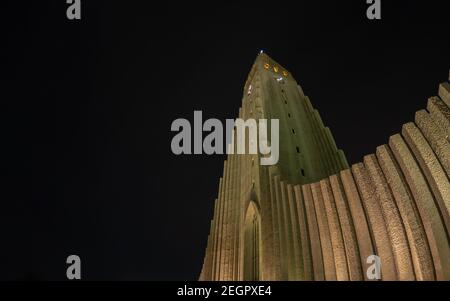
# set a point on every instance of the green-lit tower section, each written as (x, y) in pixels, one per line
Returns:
(308, 152)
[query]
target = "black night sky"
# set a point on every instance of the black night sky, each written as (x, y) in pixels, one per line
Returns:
(95, 98)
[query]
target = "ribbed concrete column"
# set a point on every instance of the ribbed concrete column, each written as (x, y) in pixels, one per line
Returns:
(281, 228)
(394, 225)
(237, 224)
(315, 132)
(377, 224)
(440, 113)
(296, 237)
(267, 235)
(418, 243)
(308, 273)
(214, 239)
(222, 232)
(316, 248)
(444, 93)
(288, 232)
(337, 241)
(363, 233)
(275, 230)
(218, 235)
(436, 137)
(437, 179)
(348, 230)
(230, 218)
(428, 210)
(324, 233)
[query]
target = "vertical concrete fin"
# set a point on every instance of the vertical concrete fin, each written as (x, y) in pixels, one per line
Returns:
(391, 216)
(377, 224)
(219, 230)
(363, 234)
(222, 247)
(337, 240)
(276, 232)
(295, 235)
(348, 230)
(237, 221)
(214, 238)
(324, 233)
(440, 113)
(342, 159)
(231, 219)
(314, 236)
(435, 137)
(418, 243)
(308, 273)
(437, 179)
(428, 210)
(282, 229)
(227, 222)
(289, 238)
(444, 93)
(334, 150)
(315, 131)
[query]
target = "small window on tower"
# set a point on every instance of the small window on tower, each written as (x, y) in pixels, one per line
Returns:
(275, 68)
(289, 115)
(303, 172)
(293, 131)
(298, 149)
(285, 73)
(266, 65)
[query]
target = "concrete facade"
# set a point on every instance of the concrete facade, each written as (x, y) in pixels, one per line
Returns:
(313, 217)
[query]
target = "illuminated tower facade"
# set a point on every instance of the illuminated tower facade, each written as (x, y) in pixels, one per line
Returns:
(311, 217)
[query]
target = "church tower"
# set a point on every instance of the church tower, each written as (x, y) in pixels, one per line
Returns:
(311, 216)
(251, 234)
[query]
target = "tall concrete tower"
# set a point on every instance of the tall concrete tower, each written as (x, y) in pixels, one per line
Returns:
(248, 237)
(311, 217)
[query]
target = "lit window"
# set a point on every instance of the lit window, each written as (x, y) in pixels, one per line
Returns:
(275, 68)
(249, 90)
(285, 73)
(266, 65)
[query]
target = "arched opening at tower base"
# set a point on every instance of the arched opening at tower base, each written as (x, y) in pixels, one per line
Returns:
(252, 243)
